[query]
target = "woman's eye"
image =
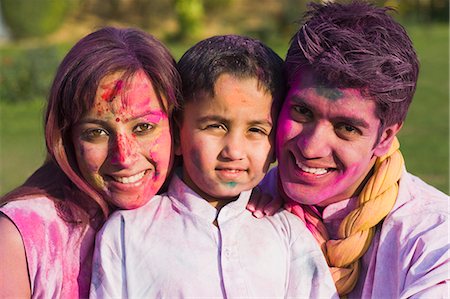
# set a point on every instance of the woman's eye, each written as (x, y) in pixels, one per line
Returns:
(142, 128)
(94, 133)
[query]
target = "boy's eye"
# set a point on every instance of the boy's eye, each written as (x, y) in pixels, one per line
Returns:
(142, 128)
(216, 127)
(257, 130)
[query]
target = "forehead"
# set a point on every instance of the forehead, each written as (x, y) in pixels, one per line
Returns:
(306, 89)
(117, 94)
(132, 89)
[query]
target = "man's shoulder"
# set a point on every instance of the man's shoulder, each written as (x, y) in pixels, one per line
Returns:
(420, 208)
(416, 196)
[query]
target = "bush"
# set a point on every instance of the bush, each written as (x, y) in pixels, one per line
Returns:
(34, 18)
(26, 74)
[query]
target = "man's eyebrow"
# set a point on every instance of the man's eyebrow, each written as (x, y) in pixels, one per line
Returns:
(357, 122)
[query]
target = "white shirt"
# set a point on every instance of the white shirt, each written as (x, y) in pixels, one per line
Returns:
(170, 248)
(410, 253)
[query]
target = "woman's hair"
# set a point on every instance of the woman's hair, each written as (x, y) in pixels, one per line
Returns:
(101, 53)
(357, 45)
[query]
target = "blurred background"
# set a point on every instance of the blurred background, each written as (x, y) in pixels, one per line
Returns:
(36, 34)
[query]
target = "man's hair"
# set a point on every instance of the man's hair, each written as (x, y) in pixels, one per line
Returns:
(357, 45)
(240, 56)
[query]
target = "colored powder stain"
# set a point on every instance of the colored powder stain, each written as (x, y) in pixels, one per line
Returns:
(333, 94)
(110, 94)
(117, 119)
(231, 184)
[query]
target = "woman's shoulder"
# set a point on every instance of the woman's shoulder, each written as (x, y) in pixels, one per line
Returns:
(30, 209)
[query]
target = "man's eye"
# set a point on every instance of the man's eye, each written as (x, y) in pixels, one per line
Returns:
(301, 113)
(142, 128)
(301, 110)
(347, 131)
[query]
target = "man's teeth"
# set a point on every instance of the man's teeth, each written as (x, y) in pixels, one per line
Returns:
(312, 170)
(130, 179)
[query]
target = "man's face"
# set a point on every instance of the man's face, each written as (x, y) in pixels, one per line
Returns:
(326, 141)
(226, 139)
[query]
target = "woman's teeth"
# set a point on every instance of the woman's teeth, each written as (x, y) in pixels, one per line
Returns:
(130, 179)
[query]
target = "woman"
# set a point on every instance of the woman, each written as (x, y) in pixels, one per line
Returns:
(107, 130)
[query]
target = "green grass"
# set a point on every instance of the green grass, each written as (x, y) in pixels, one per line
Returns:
(22, 147)
(424, 138)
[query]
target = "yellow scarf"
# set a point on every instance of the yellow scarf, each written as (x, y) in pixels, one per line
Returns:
(358, 228)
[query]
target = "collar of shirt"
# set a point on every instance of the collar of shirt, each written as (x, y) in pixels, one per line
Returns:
(188, 201)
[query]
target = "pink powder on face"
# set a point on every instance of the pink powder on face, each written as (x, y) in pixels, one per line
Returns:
(123, 150)
(111, 91)
(117, 119)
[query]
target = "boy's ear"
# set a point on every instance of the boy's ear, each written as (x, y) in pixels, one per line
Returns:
(386, 139)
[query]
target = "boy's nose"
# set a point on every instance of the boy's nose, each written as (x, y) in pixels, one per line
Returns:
(234, 147)
(123, 151)
(313, 142)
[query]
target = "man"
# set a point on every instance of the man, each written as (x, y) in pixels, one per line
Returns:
(352, 73)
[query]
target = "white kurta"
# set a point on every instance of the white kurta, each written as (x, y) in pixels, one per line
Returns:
(170, 248)
(410, 253)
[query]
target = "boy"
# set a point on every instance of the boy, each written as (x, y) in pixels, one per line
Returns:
(198, 240)
(352, 72)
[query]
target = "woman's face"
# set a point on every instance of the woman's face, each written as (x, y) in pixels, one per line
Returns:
(123, 145)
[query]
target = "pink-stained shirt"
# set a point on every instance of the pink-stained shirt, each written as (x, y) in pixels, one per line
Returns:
(170, 248)
(58, 254)
(410, 253)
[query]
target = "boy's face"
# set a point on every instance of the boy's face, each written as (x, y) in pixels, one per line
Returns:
(123, 144)
(326, 141)
(226, 139)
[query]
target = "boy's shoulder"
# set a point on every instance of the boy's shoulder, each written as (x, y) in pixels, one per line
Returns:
(135, 217)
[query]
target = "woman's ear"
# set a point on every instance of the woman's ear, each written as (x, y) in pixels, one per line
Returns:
(386, 139)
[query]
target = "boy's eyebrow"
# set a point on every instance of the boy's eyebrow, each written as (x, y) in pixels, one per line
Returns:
(225, 120)
(212, 118)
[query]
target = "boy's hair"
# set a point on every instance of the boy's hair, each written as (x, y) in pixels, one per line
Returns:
(357, 45)
(104, 52)
(240, 56)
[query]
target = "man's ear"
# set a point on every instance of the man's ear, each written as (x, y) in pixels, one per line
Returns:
(386, 139)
